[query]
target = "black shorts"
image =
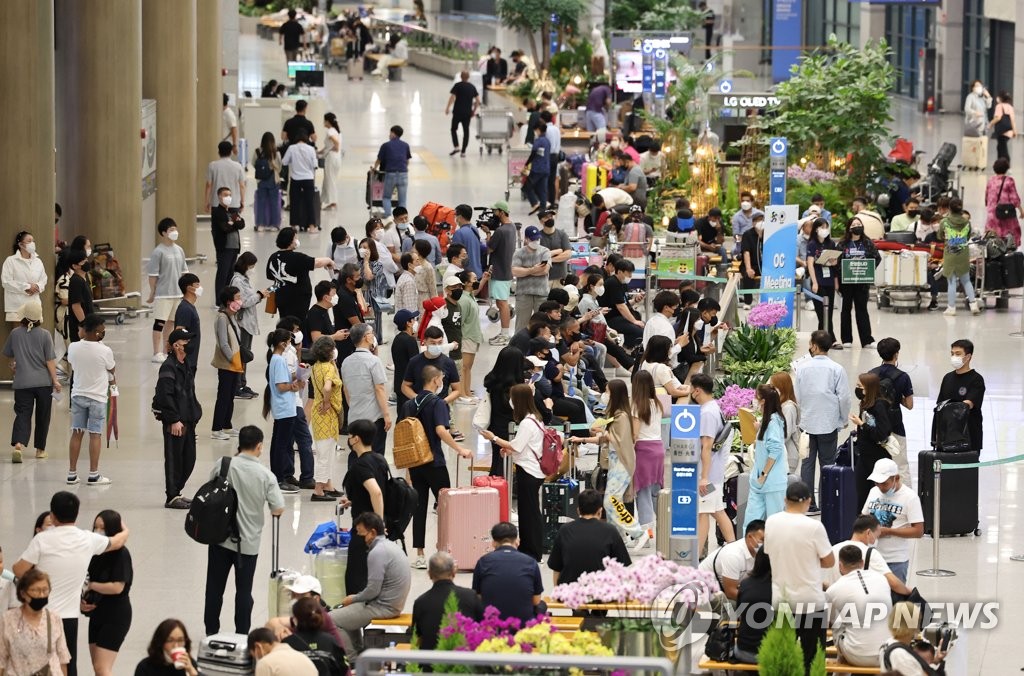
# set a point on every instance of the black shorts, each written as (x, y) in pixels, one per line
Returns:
(109, 629)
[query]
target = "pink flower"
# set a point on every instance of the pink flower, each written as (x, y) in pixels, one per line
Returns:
(734, 398)
(766, 315)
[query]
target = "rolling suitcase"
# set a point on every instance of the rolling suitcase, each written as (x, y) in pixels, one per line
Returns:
(558, 505)
(959, 499)
(838, 499)
(500, 484)
(279, 599)
(995, 274)
(224, 655)
(1013, 269)
(354, 67)
(975, 152)
(663, 523)
(316, 207)
(464, 520)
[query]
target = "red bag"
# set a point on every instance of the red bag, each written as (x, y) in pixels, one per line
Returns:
(902, 151)
(552, 451)
(499, 483)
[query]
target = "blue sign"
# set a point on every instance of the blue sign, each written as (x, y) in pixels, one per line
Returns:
(684, 500)
(787, 32)
(725, 86)
(778, 149)
(778, 260)
(685, 422)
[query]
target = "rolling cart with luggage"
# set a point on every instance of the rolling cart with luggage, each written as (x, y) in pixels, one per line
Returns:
(375, 192)
(493, 129)
(516, 164)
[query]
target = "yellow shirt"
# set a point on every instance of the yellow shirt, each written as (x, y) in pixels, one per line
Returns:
(325, 425)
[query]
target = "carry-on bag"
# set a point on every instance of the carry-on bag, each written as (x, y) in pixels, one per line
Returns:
(354, 67)
(975, 152)
(1013, 269)
(959, 500)
(464, 520)
(224, 655)
(279, 598)
(838, 499)
(949, 427)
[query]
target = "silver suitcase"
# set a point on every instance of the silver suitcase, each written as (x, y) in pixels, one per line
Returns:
(224, 655)
(663, 523)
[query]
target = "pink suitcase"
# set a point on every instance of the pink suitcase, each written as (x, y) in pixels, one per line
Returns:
(464, 520)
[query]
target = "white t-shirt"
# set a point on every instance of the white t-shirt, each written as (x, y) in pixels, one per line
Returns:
(649, 431)
(228, 120)
(894, 511)
(855, 602)
(91, 361)
(8, 595)
(658, 325)
(64, 553)
(732, 561)
(876, 564)
(614, 197)
(661, 373)
(796, 544)
(710, 424)
(527, 446)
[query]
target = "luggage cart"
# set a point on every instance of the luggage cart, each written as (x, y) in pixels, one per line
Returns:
(121, 307)
(516, 163)
(493, 129)
(900, 279)
(375, 192)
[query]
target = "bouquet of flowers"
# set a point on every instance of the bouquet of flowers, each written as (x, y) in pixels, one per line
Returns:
(766, 315)
(733, 399)
(646, 581)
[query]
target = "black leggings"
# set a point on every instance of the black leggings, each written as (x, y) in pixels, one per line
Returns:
(464, 121)
(531, 522)
(825, 314)
(25, 399)
(855, 299)
(426, 479)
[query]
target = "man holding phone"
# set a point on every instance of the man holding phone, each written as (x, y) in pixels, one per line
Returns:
(225, 222)
(530, 266)
(712, 462)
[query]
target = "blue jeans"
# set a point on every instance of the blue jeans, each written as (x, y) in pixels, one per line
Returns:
(392, 180)
(537, 190)
(965, 280)
(823, 449)
(899, 569)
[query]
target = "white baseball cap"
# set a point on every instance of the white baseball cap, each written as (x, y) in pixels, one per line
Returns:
(536, 361)
(884, 470)
(305, 584)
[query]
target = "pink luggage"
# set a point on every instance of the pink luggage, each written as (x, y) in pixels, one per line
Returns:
(464, 520)
(501, 485)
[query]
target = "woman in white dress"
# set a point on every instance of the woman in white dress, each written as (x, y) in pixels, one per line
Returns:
(332, 162)
(23, 275)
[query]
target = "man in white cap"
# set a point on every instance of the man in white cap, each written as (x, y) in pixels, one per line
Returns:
(898, 510)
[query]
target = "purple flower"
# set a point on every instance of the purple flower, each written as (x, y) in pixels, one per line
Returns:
(766, 315)
(734, 398)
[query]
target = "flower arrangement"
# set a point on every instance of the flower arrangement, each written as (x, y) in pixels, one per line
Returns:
(809, 173)
(643, 582)
(734, 398)
(766, 315)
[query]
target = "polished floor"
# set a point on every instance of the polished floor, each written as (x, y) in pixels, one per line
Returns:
(170, 568)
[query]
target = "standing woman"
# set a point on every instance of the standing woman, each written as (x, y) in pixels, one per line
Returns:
(331, 153)
(823, 277)
(650, 449)
(247, 316)
(105, 599)
(375, 286)
(267, 166)
(955, 231)
(301, 160)
(1003, 124)
(855, 245)
(768, 478)
(324, 417)
(873, 428)
(23, 275)
(289, 270)
(280, 401)
(976, 107)
(35, 378)
(783, 384)
(508, 371)
(31, 637)
(1001, 189)
(229, 360)
(525, 449)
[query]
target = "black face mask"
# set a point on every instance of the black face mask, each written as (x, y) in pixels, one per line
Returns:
(86, 266)
(857, 230)
(913, 213)
(476, 285)
(858, 392)
(38, 604)
(359, 284)
(456, 294)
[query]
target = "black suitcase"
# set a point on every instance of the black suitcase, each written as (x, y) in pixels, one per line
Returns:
(959, 500)
(995, 275)
(1013, 269)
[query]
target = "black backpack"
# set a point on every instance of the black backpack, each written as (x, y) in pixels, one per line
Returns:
(211, 518)
(399, 505)
(263, 169)
(925, 667)
(949, 428)
(887, 388)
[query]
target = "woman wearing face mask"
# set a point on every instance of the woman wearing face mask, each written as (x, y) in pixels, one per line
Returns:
(169, 652)
(768, 478)
(267, 165)
(783, 384)
(375, 235)
(1002, 189)
(955, 231)
(80, 303)
(105, 598)
(752, 250)
(375, 285)
(976, 107)
(509, 369)
(229, 360)
(324, 416)
(823, 277)
(31, 637)
(289, 270)
(280, 401)
(855, 246)
(331, 154)
(873, 428)
(406, 297)
(23, 275)
(426, 281)
(691, 359)
(30, 349)
(247, 316)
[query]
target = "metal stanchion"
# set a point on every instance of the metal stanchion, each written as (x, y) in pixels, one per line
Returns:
(935, 571)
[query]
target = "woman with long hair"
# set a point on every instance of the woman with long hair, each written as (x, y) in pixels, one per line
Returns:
(267, 165)
(768, 477)
(873, 428)
(169, 652)
(656, 361)
(331, 152)
(105, 600)
(650, 449)
(229, 360)
(691, 359)
(23, 274)
(783, 383)
(509, 370)
(280, 401)
(309, 638)
(247, 316)
(855, 245)
(755, 598)
(324, 418)
(32, 637)
(619, 461)
(525, 449)
(822, 277)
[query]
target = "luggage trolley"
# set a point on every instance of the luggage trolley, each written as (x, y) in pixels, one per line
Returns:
(900, 279)
(516, 163)
(493, 129)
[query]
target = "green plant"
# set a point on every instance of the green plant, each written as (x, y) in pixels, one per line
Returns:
(538, 16)
(574, 60)
(837, 194)
(653, 15)
(780, 653)
(747, 344)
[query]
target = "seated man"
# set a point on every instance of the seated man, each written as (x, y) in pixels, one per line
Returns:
(429, 609)
(732, 562)
(581, 545)
(387, 585)
(866, 529)
(508, 579)
(273, 657)
(855, 600)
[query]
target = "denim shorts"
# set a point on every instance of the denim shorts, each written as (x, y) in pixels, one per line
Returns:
(88, 414)
(500, 290)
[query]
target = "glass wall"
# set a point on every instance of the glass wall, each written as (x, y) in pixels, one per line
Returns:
(832, 16)
(908, 30)
(976, 44)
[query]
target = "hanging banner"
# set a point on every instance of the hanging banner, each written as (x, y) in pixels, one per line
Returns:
(787, 31)
(778, 260)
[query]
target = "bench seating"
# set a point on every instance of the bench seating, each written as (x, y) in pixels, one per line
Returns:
(831, 667)
(394, 69)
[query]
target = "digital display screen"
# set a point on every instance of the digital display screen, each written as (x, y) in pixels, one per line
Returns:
(631, 74)
(295, 66)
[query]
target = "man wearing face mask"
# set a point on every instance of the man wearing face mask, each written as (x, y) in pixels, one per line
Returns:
(404, 347)
(318, 319)
(225, 222)
(907, 221)
(347, 312)
(898, 510)
(530, 266)
(166, 266)
(501, 246)
(965, 384)
(451, 322)
(557, 242)
(363, 378)
(180, 412)
(743, 220)
(400, 216)
(865, 537)
(432, 355)
(186, 316)
(421, 224)
(621, 316)
(467, 235)
(710, 235)
(752, 249)
(80, 304)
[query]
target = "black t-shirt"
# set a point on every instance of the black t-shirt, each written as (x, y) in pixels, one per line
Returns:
(521, 341)
(814, 250)
(464, 93)
(78, 292)
(707, 232)
(962, 387)
(452, 325)
(187, 317)
(367, 466)
(752, 242)
(581, 545)
(755, 595)
(112, 566)
(414, 372)
(431, 413)
(614, 294)
(903, 387)
(347, 307)
(151, 667)
(289, 270)
(321, 648)
(318, 319)
(296, 123)
(403, 348)
(292, 31)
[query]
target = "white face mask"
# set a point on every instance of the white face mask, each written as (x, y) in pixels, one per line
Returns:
(415, 327)
(551, 339)
(363, 253)
(88, 252)
(417, 268)
(979, 90)
(334, 355)
(554, 355)
(442, 313)
(334, 300)
(30, 248)
(510, 405)
(533, 244)
(297, 338)
(956, 361)
(599, 291)
(745, 205)
(439, 389)
(199, 292)
(296, 242)
(759, 227)
(824, 232)
(226, 200)
(377, 234)
(172, 235)
(434, 350)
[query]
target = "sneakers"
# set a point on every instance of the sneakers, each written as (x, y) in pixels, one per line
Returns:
(230, 432)
(837, 346)
(158, 358)
(72, 479)
(847, 345)
(98, 480)
(242, 394)
(307, 485)
(42, 455)
(16, 456)
(469, 401)
(813, 511)
(421, 563)
(178, 502)
(975, 308)
(949, 312)
(870, 346)
(642, 541)
(220, 435)
(934, 305)
(499, 340)
(287, 489)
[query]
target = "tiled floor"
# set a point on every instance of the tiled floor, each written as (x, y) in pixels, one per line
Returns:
(170, 568)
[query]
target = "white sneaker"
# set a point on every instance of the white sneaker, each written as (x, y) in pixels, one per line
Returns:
(97, 481)
(469, 401)
(421, 564)
(847, 345)
(220, 435)
(230, 432)
(950, 311)
(975, 308)
(158, 358)
(870, 346)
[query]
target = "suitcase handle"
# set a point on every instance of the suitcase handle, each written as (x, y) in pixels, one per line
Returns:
(275, 543)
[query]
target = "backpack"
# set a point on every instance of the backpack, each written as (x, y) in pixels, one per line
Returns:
(211, 517)
(263, 169)
(411, 445)
(949, 427)
(441, 223)
(723, 437)
(552, 450)
(634, 240)
(399, 504)
(887, 387)
(892, 647)
(326, 664)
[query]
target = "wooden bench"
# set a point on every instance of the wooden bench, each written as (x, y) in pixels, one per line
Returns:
(831, 667)
(394, 69)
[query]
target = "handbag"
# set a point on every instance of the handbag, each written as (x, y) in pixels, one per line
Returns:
(722, 641)
(1002, 126)
(805, 445)
(892, 446)
(1004, 210)
(272, 303)
(45, 670)
(482, 417)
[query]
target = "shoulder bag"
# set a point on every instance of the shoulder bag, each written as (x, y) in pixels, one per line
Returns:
(1004, 210)
(45, 670)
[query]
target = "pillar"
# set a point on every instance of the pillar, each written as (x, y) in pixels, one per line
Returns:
(99, 120)
(27, 190)
(949, 43)
(208, 91)
(169, 76)
(872, 23)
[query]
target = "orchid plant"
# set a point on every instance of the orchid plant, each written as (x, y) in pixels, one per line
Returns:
(644, 582)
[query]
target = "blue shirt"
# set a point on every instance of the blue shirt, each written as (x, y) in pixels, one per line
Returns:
(824, 395)
(508, 580)
(435, 246)
(394, 156)
(772, 446)
(467, 236)
(282, 404)
(825, 213)
(540, 165)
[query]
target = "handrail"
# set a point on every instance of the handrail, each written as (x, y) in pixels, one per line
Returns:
(650, 665)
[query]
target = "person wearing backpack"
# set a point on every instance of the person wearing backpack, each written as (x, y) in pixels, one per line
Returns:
(309, 637)
(178, 409)
(434, 415)
(964, 384)
(267, 167)
(364, 485)
(714, 448)
(899, 655)
(255, 488)
(895, 387)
